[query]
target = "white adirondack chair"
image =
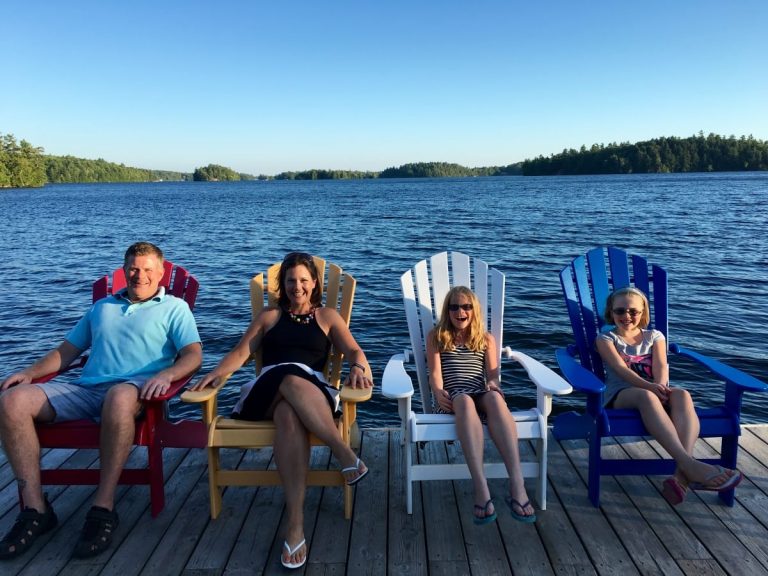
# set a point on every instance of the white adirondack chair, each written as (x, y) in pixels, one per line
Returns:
(423, 301)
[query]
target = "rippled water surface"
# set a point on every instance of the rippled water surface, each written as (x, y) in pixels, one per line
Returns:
(709, 231)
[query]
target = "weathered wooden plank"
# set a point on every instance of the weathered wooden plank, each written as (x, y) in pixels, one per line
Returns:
(147, 532)
(484, 548)
(319, 459)
(179, 541)
(445, 542)
(71, 519)
(699, 537)
(259, 530)
(368, 539)
(643, 546)
(746, 520)
(675, 526)
(564, 547)
(598, 537)
(53, 458)
(407, 553)
(330, 542)
(524, 549)
(131, 502)
(51, 551)
(212, 551)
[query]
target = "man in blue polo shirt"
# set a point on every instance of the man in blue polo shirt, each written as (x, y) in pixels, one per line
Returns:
(141, 340)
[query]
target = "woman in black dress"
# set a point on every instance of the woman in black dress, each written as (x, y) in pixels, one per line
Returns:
(295, 337)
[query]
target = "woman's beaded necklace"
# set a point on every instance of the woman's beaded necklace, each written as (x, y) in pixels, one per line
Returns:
(302, 318)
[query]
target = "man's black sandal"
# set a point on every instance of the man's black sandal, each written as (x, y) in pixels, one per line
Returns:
(96, 536)
(28, 526)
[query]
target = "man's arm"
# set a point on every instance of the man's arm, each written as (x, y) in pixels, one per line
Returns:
(188, 361)
(54, 361)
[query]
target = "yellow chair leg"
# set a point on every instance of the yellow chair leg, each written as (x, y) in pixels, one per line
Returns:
(213, 482)
(347, 502)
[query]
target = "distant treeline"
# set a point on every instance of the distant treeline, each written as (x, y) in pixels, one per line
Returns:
(447, 170)
(324, 175)
(68, 169)
(23, 165)
(712, 153)
(413, 170)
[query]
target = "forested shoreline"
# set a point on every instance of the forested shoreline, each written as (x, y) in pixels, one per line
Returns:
(24, 165)
(712, 153)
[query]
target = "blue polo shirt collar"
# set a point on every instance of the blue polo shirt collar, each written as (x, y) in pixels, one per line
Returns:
(158, 297)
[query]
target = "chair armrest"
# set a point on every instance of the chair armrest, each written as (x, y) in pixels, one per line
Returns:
(396, 383)
(727, 373)
(355, 395)
(545, 379)
(580, 378)
(174, 388)
(204, 395)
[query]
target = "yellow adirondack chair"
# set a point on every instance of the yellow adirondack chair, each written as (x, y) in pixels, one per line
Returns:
(226, 432)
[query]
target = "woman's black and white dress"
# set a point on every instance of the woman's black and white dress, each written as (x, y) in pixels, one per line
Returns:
(296, 346)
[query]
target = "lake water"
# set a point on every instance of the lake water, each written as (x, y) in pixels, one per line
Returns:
(708, 230)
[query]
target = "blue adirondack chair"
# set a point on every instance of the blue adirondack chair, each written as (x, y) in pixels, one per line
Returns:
(587, 282)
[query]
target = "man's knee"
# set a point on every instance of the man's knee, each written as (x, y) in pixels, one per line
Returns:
(121, 400)
(23, 402)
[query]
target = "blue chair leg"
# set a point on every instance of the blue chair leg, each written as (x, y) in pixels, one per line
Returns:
(594, 468)
(729, 449)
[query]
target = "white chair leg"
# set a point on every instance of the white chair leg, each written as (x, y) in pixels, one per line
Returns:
(408, 478)
(541, 491)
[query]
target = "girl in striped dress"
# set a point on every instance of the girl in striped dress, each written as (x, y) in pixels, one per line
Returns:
(464, 376)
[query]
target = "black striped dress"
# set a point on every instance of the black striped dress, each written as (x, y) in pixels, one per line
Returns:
(463, 372)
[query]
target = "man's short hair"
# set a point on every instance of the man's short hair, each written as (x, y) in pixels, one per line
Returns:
(142, 249)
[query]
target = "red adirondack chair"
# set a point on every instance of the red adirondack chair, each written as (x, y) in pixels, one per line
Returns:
(153, 429)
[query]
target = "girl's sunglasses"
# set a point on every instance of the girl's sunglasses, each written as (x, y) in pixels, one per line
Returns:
(633, 312)
(457, 307)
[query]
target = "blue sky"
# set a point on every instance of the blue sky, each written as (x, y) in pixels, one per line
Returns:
(266, 87)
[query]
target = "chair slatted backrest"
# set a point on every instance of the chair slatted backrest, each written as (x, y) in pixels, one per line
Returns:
(588, 281)
(176, 280)
(424, 289)
(338, 291)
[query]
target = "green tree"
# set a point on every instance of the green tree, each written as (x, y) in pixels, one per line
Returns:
(215, 173)
(22, 163)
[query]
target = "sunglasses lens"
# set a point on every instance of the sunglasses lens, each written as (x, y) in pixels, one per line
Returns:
(633, 312)
(457, 307)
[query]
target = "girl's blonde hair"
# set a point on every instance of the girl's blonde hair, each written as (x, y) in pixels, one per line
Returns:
(645, 317)
(444, 335)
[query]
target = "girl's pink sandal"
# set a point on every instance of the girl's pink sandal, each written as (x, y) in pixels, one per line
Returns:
(673, 491)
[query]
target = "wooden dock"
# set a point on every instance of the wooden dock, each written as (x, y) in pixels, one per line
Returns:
(634, 532)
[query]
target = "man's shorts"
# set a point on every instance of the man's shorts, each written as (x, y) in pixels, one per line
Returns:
(74, 402)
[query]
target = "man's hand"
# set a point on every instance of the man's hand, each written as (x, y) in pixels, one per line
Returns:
(154, 387)
(14, 379)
